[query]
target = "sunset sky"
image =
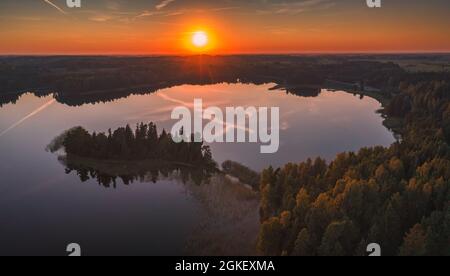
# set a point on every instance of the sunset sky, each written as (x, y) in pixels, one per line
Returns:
(232, 26)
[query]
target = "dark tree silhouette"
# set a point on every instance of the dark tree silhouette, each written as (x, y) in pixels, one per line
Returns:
(127, 145)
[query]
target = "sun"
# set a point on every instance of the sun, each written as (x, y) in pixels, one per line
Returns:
(200, 39)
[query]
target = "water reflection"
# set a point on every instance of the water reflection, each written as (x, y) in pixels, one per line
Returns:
(110, 174)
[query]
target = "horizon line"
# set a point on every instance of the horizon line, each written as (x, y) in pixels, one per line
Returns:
(224, 54)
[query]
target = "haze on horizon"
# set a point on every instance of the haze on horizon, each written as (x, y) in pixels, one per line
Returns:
(150, 27)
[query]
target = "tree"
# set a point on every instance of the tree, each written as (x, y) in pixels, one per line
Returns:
(414, 243)
(269, 241)
(270, 193)
(303, 245)
(303, 203)
(340, 239)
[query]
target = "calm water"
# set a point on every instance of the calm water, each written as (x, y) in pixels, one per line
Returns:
(43, 209)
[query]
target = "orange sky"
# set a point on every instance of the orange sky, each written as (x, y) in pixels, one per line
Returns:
(252, 26)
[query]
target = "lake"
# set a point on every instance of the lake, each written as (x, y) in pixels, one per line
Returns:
(43, 208)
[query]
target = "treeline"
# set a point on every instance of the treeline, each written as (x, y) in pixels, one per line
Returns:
(398, 197)
(79, 80)
(144, 143)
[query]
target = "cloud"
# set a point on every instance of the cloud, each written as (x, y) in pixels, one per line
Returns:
(147, 13)
(164, 4)
(297, 7)
(32, 114)
(225, 9)
(100, 18)
(23, 18)
(55, 6)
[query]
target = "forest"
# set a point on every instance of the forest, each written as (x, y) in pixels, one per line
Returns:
(77, 80)
(142, 144)
(398, 197)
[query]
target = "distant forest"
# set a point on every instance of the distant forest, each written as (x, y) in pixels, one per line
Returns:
(80, 80)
